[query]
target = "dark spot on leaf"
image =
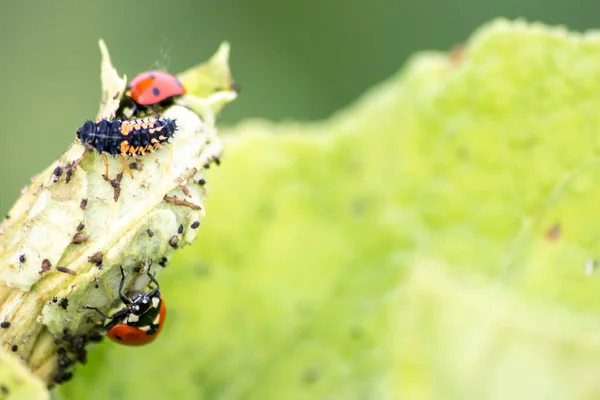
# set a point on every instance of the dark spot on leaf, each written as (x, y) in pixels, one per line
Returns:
(82, 356)
(96, 259)
(46, 265)
(356, 333)
(116, 184)
(95, 336)
(202, 270)
(553, 234)
(311, 375)
(71, 170)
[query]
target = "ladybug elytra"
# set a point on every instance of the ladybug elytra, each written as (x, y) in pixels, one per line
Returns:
(153, 88)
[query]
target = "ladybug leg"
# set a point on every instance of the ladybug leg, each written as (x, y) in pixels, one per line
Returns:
(152, 329)
(126, 102)
(113, 319)
(124, 298)
(153, 279)
(119, 315)
(98, 311)
(125, 165)
(133, 108)
(155, 112)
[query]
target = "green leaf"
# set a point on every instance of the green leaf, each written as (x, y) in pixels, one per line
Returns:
(17, 382)
(427, 242)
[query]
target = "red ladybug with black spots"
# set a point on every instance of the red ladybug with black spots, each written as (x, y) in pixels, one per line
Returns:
(152, 90)
(140, 321)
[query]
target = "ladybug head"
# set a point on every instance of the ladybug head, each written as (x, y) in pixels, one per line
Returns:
(143, 302)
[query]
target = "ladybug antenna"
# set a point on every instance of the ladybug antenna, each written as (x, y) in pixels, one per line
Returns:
(124, 298)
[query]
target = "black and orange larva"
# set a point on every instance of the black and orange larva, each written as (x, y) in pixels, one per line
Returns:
(126, 137)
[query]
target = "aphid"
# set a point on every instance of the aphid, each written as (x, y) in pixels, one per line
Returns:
(142, 318)
(173, 241)
(119, 137)
(66, 270)
(96, 259)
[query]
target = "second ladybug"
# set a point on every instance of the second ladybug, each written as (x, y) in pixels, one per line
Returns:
(142, 318)
(153, 89)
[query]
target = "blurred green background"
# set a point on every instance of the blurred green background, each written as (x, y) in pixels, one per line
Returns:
(294, 59)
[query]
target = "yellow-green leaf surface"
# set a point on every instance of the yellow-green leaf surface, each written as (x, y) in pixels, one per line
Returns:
(428, 242)
(17, 382)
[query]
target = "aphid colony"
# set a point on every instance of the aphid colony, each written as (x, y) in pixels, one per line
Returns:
(142, 317)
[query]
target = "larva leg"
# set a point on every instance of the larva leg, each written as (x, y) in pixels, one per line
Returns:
(105, 164)
(125, 165)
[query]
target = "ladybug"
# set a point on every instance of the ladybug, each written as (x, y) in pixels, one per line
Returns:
(140, 321)
(153, 88)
